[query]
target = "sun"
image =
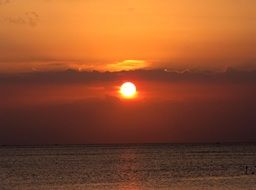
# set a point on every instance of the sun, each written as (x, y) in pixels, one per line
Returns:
(128, 90)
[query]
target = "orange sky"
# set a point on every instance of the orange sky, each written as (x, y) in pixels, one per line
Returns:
(115, 35)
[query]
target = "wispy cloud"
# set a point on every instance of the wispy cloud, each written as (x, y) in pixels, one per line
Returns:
(4, 2)
(30, 18)
(127, 65)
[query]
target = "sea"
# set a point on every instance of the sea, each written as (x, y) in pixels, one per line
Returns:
(129, 167)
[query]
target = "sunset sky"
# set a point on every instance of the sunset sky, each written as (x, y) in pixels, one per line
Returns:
(115, 35)
(62, 63)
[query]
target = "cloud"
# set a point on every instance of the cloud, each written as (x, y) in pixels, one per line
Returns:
(4, 2)
(30, 18)
(127, 65)
(68, 76)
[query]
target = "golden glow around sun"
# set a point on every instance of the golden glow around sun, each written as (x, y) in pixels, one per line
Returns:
(128, 90)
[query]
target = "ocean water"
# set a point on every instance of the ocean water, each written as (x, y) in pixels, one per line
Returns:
(129, 167)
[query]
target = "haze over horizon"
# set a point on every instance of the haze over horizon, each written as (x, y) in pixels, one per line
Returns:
(85, 107)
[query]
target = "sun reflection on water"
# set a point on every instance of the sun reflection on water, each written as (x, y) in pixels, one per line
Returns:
(128, 169)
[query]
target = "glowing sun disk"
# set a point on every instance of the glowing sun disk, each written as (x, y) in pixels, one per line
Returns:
(128, 90)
